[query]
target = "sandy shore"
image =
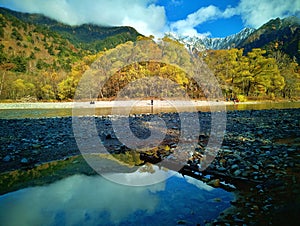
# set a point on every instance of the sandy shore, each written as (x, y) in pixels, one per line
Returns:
(109, 104)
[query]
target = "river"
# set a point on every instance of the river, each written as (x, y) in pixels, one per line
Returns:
(66, 112)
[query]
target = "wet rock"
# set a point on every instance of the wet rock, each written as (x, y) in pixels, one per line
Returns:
(266, 147)
(7, 158)
(260, 132)
(237, 173)
(245, 174)
(291, 150)
(221, 169)
(290, 164)
(256, 167)
(238, 221)
(255, 208)
(108, 136)
(234, 167)
(227, 151)
(24, 161)
(11, 147)
(36, 146)
(35, 152)
(181, 222)
(214, 183)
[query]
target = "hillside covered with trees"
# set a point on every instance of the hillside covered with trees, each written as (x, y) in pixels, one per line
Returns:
(255, 74)
(41, 59)
(37, 53)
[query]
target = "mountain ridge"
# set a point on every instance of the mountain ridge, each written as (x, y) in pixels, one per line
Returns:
(202, 43)
(37, 53)
(276, 34)
(86, 36)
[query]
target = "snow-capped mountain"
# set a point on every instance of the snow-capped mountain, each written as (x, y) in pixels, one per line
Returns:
(275, 35)
(202, 43)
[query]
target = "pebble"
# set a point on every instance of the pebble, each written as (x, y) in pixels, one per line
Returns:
(221, 169)
(36, 146)
(214, 183)
(245, 174)
(234, 167)
(291, 150)
(266, 147)
(237, 173)
(24, 161)
(243, 152)
(7, 158)
(256, 167)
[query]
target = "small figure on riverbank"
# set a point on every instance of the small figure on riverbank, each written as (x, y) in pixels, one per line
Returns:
(233, 99)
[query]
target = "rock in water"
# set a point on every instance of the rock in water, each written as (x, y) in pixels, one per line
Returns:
(214, 183)
(24, 161)
(7, 158)
(237, 173)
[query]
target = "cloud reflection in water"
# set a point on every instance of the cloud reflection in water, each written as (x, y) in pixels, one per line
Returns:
(93, 200)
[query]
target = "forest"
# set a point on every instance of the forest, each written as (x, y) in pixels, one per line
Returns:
(251, 76)
(38, 64)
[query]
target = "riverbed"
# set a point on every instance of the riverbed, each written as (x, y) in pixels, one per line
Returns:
(259, 156)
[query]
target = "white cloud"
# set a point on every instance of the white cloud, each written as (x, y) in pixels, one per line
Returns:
(150, 19)
(187, 26)
(254, 13)
(146, 17)
(257, 12)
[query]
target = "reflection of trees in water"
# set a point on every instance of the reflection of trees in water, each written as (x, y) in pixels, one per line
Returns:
(131, 158)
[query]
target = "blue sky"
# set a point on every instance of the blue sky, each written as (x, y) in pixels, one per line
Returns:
(213, 18)
(179, 10)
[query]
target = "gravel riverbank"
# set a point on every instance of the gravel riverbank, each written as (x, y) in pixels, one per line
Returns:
(260, 156)
(109, 104)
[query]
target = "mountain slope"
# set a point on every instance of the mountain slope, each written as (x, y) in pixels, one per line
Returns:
(28, 48)
(277, 34)
(88, 36)
(37, 53)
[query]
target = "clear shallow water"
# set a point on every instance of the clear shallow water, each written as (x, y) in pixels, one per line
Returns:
(94, 200)
(66, 112)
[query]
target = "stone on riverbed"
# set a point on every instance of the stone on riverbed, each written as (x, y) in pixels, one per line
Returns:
(221, 169)
(24, 161)
(237, 173)
(214, 183)
(7, 158)
(256, 167)
(234, 167)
